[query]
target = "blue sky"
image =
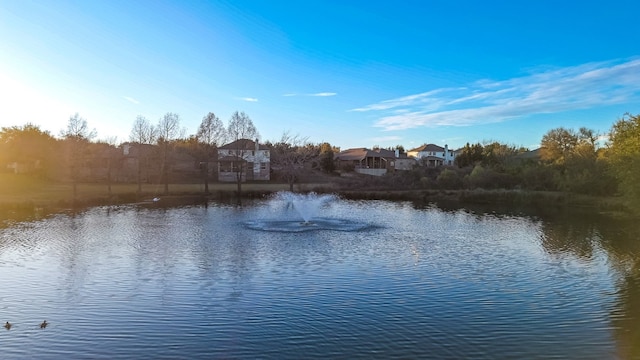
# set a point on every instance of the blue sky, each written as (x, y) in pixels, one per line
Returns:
(352, 73)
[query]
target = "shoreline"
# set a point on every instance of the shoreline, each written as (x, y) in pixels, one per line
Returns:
(57, 198)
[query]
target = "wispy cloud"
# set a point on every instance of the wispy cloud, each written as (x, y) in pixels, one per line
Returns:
(131, 100)
(550, 91)
(320, 94)
(386, 138)
(248, 99)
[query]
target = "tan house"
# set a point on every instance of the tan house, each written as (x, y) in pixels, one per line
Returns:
(375, 162)
(246, 158)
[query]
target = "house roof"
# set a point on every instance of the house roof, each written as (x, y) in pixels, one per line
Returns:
(243, 144)
(362, 153)
(352, 154)
(428, 147)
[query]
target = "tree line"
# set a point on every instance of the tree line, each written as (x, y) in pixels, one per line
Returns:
(76, 156)
(568, 160)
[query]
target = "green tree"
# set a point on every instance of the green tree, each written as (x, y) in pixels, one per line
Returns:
(29, 147)
(449, 179)
(326, 162)
(470, 155)
(624, 153)
(557, 145)
(572, 155)
(497, 155)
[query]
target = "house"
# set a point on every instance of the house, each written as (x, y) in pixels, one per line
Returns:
(24, 167)
(404, 161)
(375, 162)
(246, 158)
(134, 154)
(433, 155)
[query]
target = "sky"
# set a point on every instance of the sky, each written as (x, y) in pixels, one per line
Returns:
(357, 73)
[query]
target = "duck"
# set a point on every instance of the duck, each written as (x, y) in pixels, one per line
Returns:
(44, 324)
(7, 325)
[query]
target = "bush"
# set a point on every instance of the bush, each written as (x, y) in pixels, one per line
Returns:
(449, 179)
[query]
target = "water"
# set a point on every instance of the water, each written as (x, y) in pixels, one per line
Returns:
(415, 282)
(291, 212)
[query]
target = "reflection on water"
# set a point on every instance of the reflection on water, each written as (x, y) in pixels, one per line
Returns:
(195, 282)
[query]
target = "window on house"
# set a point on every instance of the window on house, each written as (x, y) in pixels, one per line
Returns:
(229, 166)
(263, 166)
(225, 167)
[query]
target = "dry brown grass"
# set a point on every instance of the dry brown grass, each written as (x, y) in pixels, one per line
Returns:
(20, 189)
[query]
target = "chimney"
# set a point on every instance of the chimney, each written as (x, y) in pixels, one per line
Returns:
(397, 153)
(257, 147)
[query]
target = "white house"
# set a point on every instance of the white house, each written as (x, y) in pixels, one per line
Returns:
(433, 155)
(253, 157)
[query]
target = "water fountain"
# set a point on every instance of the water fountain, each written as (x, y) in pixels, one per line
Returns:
(299, 213)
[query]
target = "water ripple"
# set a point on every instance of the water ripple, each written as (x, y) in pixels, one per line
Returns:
(195, 282)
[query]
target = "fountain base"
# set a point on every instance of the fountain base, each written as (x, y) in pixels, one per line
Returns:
(302, 226)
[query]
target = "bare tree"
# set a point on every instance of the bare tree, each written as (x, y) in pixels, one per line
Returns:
(76, 137)
(168, 130)
(289, 157)
(211, 134)
(241, 127)
(239, 130)
(142, 133)
(78, 129)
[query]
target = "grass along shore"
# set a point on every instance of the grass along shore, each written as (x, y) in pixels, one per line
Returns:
(17, 189)
(24, 196)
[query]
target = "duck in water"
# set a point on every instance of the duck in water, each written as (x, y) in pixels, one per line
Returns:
(44, 324)
(7, 325)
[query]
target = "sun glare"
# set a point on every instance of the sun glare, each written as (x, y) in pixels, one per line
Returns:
(25, 104)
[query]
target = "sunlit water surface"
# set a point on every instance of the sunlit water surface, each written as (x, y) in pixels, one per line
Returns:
(407, 282)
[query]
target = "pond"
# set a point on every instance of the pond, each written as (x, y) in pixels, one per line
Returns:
(401, 280)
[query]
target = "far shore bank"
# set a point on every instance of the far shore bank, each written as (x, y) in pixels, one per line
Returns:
(24, 201)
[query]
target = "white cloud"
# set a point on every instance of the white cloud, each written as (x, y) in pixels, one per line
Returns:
(249, 99)
(386, 138)
(549, 91)
(131, 100)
